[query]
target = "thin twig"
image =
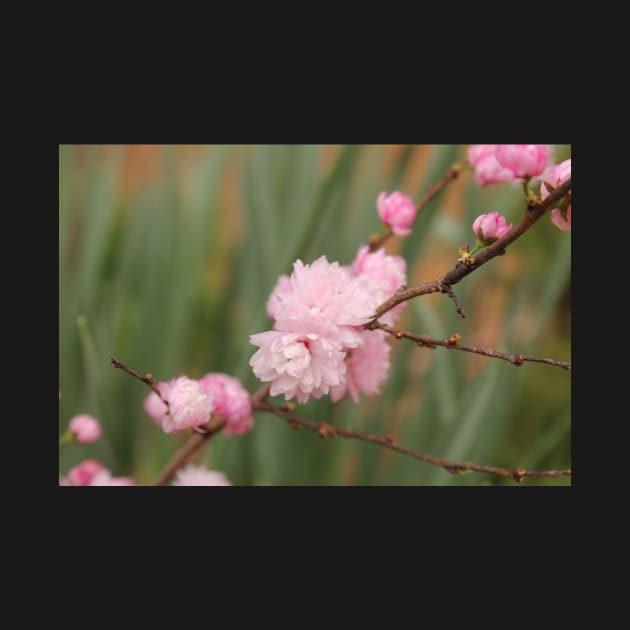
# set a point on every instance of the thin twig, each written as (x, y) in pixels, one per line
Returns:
(147, 380)
(447, 289)
(461, 270)
(451, 174)
(194, 443)
(325, 430)
(453, 343)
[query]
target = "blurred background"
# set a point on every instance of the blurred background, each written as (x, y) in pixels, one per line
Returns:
(167, 255)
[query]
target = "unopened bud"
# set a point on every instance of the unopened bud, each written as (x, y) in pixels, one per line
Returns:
(326, 431)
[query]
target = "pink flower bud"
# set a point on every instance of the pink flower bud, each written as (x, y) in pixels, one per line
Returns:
(189, 403)
(555, 176)
(524, 160)
(86, 429)
(83, 473)
(398, 211)
(490, 227)
(487, 169)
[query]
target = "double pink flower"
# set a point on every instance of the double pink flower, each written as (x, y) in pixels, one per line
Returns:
(496, 163)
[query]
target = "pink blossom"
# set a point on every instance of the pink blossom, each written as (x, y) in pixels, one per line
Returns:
(524, 160)
(232, 402)
(367, 367)
(83, 473)
(297, 364)
(274, 304)
(154, 405)
(390, 271)
(86, 429)
(189, 403)
(104, 478)
(327, 300)
(490, 227)
(555, 176)
(192, 475)
(487, 169)
(397, 210)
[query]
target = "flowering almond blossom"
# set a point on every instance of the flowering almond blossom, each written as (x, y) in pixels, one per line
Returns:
(487, 169)
(190, 405)
(389, 271)
(524, 160)
(297, 364)
(232, 402)
(192, 475)
(366, 367)
(325, 299)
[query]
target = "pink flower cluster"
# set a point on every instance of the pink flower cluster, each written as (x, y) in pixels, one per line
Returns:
(191, 403)
(555, 176)
(92, 473)
(318, 345)
(496, 163)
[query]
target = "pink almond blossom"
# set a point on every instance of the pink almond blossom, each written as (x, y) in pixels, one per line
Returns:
(192, 475)
(487, 169)
(366, 367)
(190, 405)
(85, 428)
(555, 176)
(490, 227)
(297, 364)
(390, 271)
(327, 300)
(83, 473)
(524, 160)
(398, 211)
(232, 402)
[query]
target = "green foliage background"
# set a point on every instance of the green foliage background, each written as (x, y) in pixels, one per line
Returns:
(173, 278)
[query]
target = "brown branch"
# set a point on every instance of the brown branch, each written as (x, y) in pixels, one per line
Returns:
(452, 343)
(326, 430)
(461, 270)
(195, 442)
(451, 174)
(147, 380)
